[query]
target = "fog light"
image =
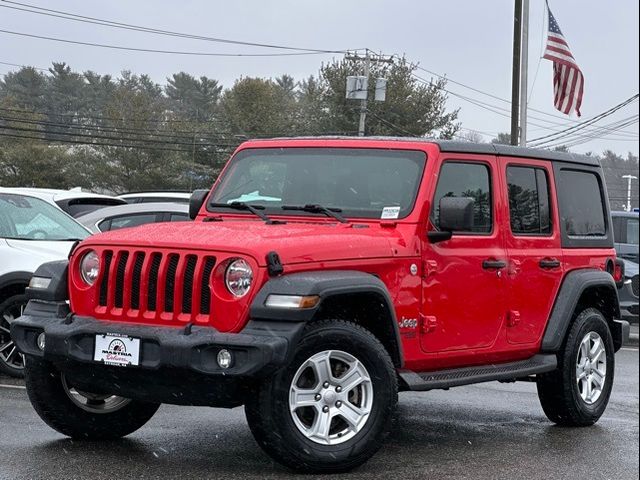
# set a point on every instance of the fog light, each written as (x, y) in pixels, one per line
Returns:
(224, 358)
(40, 340)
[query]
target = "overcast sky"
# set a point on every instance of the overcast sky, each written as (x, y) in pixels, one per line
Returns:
(469, 41)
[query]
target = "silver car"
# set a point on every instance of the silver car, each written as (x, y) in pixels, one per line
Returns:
(132, 215)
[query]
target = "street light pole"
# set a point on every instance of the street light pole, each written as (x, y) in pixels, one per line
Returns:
(363, 102)
(629, 179)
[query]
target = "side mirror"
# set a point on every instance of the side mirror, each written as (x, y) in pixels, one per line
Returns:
(456, 214)
(195, 202)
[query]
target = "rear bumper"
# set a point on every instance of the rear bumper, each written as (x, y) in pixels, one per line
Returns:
(173, 361)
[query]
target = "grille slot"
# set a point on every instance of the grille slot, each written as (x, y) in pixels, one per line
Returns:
(170, 285)
(135, 281)
(187, 285)
(104, 282)
(152, 291)
(205, 292)
(634, 285)
(122, 264)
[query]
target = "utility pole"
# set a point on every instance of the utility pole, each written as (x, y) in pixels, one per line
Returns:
(367, 72)
(524, 65)
(629, 179)
(515, 75)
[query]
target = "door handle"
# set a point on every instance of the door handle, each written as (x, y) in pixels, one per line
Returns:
(491, 264)
(548, 263)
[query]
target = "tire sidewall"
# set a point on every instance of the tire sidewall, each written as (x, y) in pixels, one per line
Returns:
(590, 321)
(384, 397)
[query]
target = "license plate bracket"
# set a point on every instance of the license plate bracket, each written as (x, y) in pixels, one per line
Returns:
(117, 350)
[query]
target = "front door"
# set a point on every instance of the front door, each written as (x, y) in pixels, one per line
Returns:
(464, 279)
(533, 246)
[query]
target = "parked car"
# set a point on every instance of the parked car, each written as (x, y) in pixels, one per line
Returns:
(628, 292)
(133, 215)
(75, 202)
(323, 275)
(32, 232)
(151, 197)
(625, 232)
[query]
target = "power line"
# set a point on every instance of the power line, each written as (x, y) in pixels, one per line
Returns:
(151, 50)
(23, 66)
(127, 26)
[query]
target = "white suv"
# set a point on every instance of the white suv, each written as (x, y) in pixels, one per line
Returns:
(32, 232)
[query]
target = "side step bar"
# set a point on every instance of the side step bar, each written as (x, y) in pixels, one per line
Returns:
(484, 373)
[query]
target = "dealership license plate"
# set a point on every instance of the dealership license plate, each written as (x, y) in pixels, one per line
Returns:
(118, 350)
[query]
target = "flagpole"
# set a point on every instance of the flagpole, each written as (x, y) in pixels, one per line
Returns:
(524, 68)
(515, 75)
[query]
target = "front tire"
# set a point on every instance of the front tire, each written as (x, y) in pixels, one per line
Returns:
(331, 408)
(577, 393)
(78, 414)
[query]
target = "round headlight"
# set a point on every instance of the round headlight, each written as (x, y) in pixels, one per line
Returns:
(238, 278)
(90, 267)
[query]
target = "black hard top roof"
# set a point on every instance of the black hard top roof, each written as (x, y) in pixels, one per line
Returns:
(455, 146)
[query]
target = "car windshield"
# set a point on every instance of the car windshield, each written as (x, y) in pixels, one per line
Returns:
(28, 218)
(365, 183)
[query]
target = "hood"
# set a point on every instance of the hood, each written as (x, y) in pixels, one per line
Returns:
(294, 242)
(47, 251)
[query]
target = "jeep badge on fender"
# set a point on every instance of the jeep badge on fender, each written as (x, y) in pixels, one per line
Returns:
(337, 273)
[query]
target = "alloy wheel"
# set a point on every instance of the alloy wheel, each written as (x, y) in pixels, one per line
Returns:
(9, 354)
(92, 402)
(591, 368)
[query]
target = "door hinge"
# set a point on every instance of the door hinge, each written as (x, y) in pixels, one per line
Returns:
(428, 323)
(513, 318)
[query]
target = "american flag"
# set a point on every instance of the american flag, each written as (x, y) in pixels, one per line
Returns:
(568, 81)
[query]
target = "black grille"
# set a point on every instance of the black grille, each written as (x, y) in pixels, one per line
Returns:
(122, 264)
(139, 274)
(152, 292)
(135, 281)
(634, 285)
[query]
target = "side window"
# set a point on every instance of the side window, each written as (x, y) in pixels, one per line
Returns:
(465, 179)
(632, 231)
(132, 220)
(582, 204)
(529, 211)
(179, 217)
(617, 229)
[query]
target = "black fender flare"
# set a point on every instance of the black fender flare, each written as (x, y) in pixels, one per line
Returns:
(14, 278)
(325, 284)
(574, 284)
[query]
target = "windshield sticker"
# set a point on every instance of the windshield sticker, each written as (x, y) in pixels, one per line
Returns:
(389, 213)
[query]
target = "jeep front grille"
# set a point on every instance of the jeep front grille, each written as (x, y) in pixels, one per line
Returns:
(170, 285)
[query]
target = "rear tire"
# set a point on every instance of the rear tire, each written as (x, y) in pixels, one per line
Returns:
(81, 415)
(11, 360)
(577, 393)
(332, 423)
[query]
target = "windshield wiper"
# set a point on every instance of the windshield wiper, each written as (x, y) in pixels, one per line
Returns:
(255, 209)
(315, 208)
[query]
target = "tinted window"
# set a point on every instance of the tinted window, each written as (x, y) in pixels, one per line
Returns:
(179, 217)
(632, 231)
(528, 200)
(361, 182)
(127, 221)
(163, 200)
(582, 205)
(81, 206)
(469, 180)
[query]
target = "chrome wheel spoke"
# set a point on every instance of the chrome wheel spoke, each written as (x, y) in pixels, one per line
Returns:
(322, 368)
(354, 377)
(321, 426)
(300, 398)
(351, 414)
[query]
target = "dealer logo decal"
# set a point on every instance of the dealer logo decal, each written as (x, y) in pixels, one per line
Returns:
(116, 352)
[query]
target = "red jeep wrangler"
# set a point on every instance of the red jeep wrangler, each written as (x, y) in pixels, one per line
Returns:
(323, 275)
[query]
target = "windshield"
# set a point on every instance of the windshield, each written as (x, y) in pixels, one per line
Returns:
(366, 183)
(28, 218)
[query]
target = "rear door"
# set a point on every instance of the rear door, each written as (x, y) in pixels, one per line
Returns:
(534, 249)
(464, 285)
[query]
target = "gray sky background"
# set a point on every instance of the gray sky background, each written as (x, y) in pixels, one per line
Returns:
(469, 41)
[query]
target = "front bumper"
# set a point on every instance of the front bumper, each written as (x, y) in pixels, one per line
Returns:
(177, 365)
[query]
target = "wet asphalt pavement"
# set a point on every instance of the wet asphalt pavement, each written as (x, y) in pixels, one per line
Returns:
(488, 431)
